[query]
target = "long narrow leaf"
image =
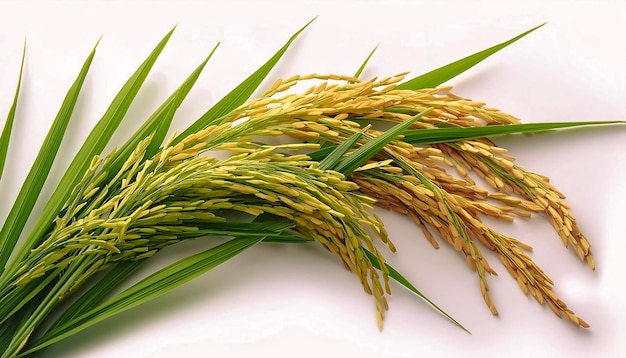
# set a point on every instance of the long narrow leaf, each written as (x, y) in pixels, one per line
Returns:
(348, 164)
(149, 288)
(394, 274)
(6, 332)
(159, 122)
(162, 122)
(19, 298)
(21, 209)
(453, 134)
(333, 158)
(10, 327)
(46, 302)
(8, 125)
(271, 229)
(96, 294)
(122, 271)
(325, 149)
(436, 77)
(94, 144)
(367, 59)
(240, 94)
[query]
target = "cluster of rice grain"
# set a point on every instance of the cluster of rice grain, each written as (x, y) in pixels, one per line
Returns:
(154, 202)
(416, 180)
(130, 213)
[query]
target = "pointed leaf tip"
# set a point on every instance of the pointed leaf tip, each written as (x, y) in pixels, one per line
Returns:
(94, 144)
(364, 64)
(239, 94)
(8, 124)
(98, 41)
(443, 74)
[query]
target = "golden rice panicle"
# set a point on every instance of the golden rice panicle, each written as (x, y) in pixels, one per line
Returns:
(448, 205)
(331, 105)
(321, 111)
(531, 278)
(502, 174)
(558, 212)
(448, 108)
(467, 211)
(419, 203)
(323, 204)
(429, 162)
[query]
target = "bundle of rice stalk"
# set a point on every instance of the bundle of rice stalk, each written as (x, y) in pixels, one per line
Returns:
(111, 213)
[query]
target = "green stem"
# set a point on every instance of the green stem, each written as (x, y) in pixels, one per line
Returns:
(53, 297)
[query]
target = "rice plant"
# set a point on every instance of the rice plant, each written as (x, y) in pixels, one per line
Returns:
(112, 212)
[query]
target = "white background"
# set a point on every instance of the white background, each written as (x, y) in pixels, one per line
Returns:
(289, 301)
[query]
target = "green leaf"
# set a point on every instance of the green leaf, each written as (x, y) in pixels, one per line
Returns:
(8, 125)
(94, 144)
(325, 149)
(394, 274)
(23, 205)
(7, 330)
(159, 122)
(253, 229)
(265, 227)
(99, 291)
(240, 94)
(44, 306)
(453, 134)
(333, 158)
(436, 77)
(18, 298)
(169, 108)
(360, 70)
(149, 288)
(348, 164)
